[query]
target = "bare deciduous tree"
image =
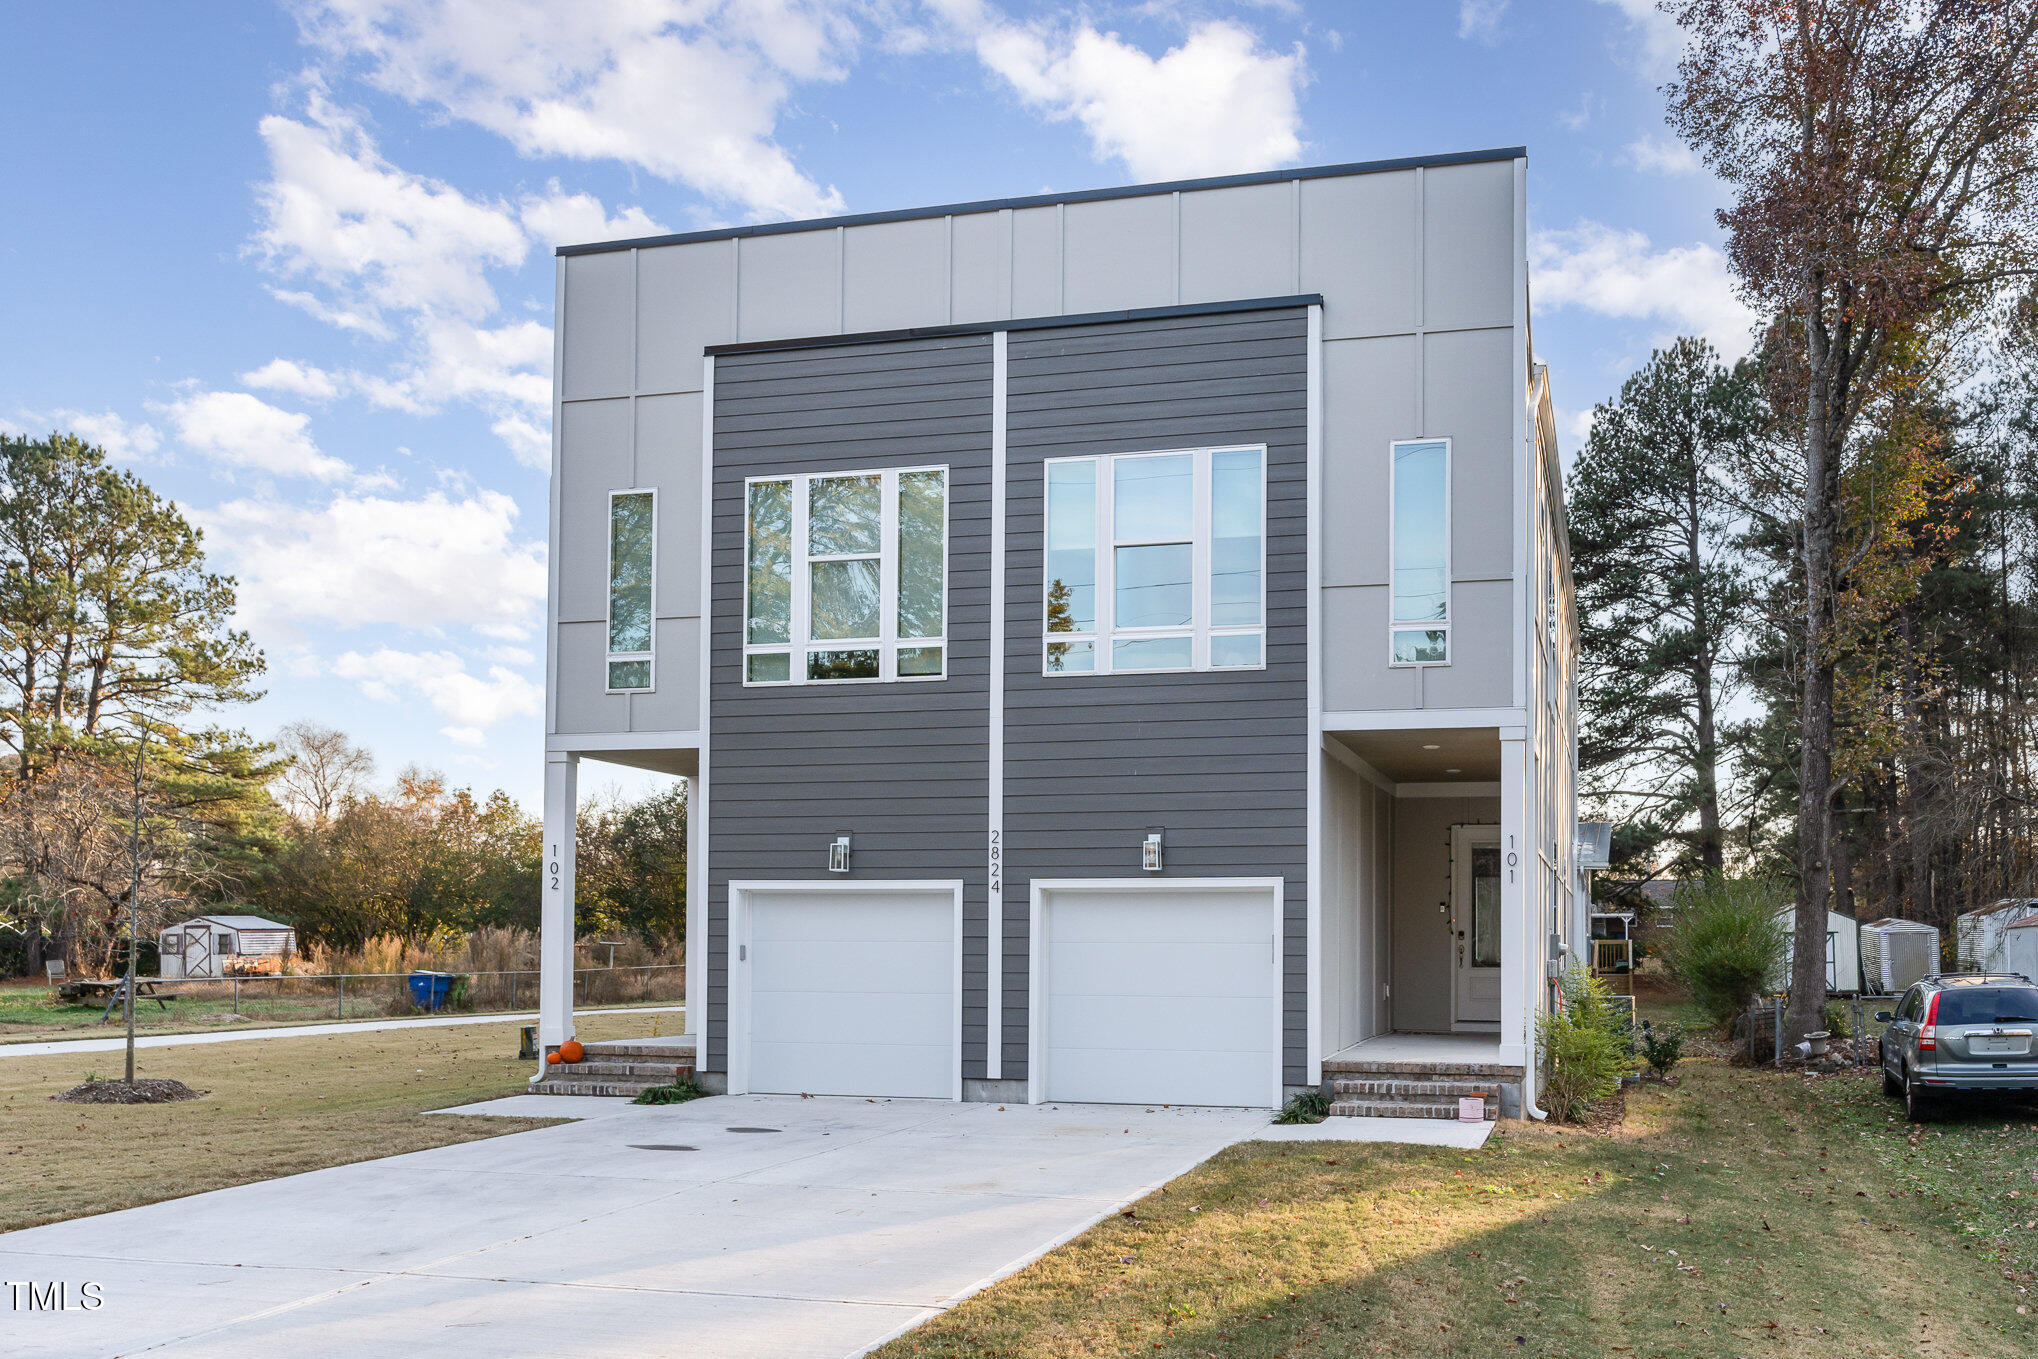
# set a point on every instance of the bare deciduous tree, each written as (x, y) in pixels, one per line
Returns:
(326, 770)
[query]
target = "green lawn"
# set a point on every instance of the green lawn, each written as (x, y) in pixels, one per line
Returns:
(1736, 1214)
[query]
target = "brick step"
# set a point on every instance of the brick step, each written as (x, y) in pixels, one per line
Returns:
(660, 1049)
(1402, 1088)
(664, 1072)
(615, 1088)
(1420, 1071)
(1368, 1108)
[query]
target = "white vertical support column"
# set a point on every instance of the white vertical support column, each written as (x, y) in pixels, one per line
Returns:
(555, 915)
(1313, 653)
(697, 786)
(1517, 868)
(994, 905)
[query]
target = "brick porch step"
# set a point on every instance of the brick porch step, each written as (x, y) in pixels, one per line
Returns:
(619, 1089)
(1376, 1069)
(1368, 1108)
(1404, 1090)
(621, 1069)
(667, 1071)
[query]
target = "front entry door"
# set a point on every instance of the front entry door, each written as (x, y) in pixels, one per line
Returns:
(1475, 926)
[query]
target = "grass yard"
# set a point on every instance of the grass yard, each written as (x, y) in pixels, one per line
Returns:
(1735, 1214)
(276, 1107)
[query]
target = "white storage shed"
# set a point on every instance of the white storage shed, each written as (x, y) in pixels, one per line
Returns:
(1895, 953)
(1980, 935)
(2020, 947)
(223, 945)
(1843, 952)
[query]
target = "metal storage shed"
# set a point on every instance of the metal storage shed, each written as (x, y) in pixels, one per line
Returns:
(1895, 953)
(2020, 947)
(1980, 935)
(223, 945)
(1843, 951)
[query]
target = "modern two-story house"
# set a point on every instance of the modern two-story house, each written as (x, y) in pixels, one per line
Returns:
(1120, 643)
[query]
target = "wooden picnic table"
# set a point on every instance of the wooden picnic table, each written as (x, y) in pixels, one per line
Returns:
(87, 988)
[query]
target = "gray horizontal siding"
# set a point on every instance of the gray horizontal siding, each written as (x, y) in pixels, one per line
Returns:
(1220, 760)
(903, 767)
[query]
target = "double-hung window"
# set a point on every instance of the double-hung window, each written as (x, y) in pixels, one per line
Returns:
(1156, 561)
(633, 562)
(845, 576)
(1419, 632)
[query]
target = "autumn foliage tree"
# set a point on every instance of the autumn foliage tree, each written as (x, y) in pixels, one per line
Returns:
(1883, 156)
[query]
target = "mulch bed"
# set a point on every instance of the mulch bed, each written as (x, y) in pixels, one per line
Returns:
(148, 1090)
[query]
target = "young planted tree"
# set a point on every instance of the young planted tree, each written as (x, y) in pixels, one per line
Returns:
(1884, 159)
(1662, 592)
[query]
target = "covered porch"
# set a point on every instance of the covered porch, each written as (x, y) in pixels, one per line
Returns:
(1431, 957)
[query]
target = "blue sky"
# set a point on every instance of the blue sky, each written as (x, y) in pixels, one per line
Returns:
(291, 263)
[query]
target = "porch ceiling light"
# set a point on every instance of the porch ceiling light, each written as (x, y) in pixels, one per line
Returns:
(1432, 747)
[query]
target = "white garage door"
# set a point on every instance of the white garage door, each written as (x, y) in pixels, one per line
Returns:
(1161, 996)
(851, 991)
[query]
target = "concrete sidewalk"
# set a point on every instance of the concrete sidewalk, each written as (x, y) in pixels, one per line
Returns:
(166, 1040)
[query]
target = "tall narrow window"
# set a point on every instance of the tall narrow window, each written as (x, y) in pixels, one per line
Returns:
(846, 577)
(1421, 593)
(1155, 561)
(633, 560)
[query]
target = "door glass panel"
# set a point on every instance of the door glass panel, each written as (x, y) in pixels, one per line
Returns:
(1151, 586)
(845, 599)
(1072, 546)
(1153, 497)
(1486, 906)
(844, 515)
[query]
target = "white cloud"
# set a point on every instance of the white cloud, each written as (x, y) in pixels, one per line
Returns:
(441, 677)
(123, 440)
(1661, 155)
(1218, 103)
(528, 441)
(1479, 20)
(562, 218)
(435, 563)
(1621, 274)
(471, 737)
(1579, 114)
(692, 92)
(1659, 41)
(298, 379)
(239, 431)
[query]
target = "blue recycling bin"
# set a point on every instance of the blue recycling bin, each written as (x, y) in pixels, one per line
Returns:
(428, 989)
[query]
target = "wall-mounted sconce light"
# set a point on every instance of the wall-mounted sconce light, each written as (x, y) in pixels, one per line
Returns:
(838, 854)
(1150, 852)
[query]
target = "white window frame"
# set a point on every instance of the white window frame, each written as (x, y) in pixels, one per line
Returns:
(1104, 631)
(888, 642)
(1396, 625)
(649, 657)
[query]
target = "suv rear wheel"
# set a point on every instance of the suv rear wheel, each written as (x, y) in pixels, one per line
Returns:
(1890, 1084)
(1916, 1108)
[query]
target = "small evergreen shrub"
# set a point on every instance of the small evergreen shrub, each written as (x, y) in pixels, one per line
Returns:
(1662, 1048)
(1311, 1106)
(1838, 1021)
(1583, 1047)
(679, 1092)
(1727, 942)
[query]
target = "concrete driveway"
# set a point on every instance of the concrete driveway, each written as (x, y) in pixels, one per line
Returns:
(733, 1226)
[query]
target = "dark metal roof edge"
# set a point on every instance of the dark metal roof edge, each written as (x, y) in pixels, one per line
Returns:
(1364, 167)
(1089, 318)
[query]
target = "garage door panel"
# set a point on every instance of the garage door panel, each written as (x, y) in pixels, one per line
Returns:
(852, 992)
(1221, 1024)
(1166, 967)
(1161, 994)
(903, 1071)
(835, 1016)
(1140, 1076)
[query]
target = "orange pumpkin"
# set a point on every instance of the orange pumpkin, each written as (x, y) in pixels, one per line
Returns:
(571, 1050)
(552, 1057)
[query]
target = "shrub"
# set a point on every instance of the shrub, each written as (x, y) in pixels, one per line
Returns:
(1311, 1106)
(1583, 1046)
(1662, 1048)
(1727, 942)
(1838, 1021)
(679, 1092)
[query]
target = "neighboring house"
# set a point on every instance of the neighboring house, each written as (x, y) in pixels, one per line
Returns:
(223, 945)
(1121, 643)
(1980, 936)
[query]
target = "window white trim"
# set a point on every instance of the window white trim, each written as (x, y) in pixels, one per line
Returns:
(649, 657)
(1104, 630)
(888, 643)
(1397, 625)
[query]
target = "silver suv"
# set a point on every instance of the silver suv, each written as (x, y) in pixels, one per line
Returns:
(1960, 1032)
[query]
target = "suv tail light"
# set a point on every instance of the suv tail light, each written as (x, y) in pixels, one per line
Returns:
(1928, 1032)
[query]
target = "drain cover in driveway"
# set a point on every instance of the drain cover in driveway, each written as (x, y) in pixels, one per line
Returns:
(753, 1130)
(660, 1146)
